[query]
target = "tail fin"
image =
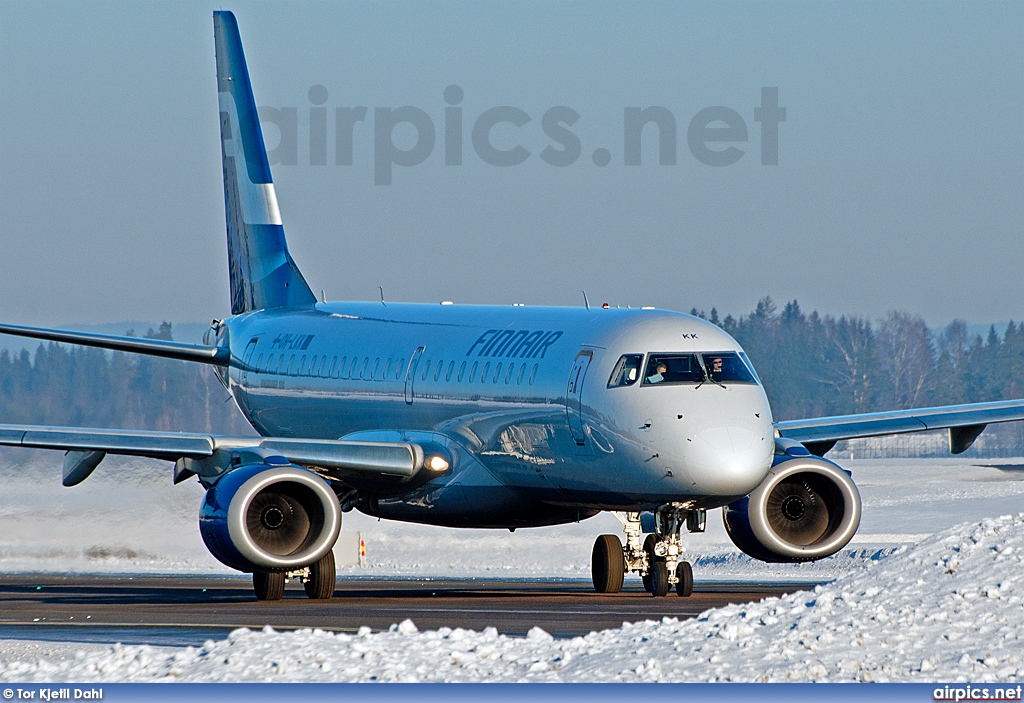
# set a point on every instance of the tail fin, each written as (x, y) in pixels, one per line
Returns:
(263, 274)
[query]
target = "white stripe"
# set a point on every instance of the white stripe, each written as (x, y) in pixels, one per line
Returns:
(258, 200)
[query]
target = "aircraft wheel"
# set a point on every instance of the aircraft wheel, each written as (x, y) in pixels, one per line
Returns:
(659, 579)
(268, 585)
(684, 572)
(651, 558)
(608, 564)
(320, 585)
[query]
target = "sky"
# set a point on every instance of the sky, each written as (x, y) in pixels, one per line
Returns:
(898, 181)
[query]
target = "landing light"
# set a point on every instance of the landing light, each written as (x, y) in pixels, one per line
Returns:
(437, 463)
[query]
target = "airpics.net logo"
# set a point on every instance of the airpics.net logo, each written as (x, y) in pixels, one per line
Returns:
(407, 136)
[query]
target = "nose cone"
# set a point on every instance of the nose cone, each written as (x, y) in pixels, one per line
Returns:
(729, 460)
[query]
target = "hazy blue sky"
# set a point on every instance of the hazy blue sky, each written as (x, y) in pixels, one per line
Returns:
(899, 182)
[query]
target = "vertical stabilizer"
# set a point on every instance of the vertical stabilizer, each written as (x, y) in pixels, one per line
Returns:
(262, 272)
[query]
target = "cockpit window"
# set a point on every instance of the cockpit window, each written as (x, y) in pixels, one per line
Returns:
(750, 366)
(672, 368)
(627, 370)
(727, 367)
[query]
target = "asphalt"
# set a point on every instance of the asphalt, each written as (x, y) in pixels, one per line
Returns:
(190, 610)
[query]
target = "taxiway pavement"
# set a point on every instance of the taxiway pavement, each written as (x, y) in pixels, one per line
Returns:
(189, 610)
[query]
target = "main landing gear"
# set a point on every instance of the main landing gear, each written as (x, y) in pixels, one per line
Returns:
(317, 578)
(656, 559)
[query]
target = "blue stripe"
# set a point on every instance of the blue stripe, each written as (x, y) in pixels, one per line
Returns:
(231, 64)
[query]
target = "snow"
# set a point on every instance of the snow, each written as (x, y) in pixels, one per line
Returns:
(950, 608)
(930, 590)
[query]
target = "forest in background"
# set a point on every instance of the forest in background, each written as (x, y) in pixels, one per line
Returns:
(77, 386)
(811, 365)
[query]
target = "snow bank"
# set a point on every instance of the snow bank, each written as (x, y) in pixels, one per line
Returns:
(949, 609)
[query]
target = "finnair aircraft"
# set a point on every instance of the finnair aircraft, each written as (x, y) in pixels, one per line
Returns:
(476, 416)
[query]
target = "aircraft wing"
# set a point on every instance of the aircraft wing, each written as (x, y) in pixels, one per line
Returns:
(964, 422)
(199, 453)
(218, 356)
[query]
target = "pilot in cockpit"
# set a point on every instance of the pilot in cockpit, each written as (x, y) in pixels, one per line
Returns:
(659, 374)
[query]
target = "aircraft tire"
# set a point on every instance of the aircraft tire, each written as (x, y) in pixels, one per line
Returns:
(268, 585)
(684, 572)
(322, 575)
(649, 543)
(659, 579)
(608, 564)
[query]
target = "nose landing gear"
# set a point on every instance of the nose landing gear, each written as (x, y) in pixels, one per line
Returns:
(656, 559)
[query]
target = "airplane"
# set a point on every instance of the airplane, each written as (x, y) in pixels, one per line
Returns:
(476, 416)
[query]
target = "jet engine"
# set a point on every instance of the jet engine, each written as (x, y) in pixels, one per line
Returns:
(270, 517)
(807, 508)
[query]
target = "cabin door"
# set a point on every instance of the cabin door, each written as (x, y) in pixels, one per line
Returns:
(574, 396)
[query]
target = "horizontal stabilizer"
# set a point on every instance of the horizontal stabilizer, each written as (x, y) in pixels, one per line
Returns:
(218, 356)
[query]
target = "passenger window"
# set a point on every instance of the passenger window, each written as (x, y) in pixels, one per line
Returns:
(387, 368)
(437, 371)
(533, 373)
(462, 371)
(362, 369)
(672, 368)
(522, 370)
(325, 370)
(398, 370)
(335, 367)
(352, 368)
(483, 374)
(426, 370)
(627, 370)
(727, 367)
(270, 364)
(291, 365)
(259, 363)
(373, 371)
(448, 375)
(301, 371)
(312, 366)
(508, 374)
(472, 372)
(497, 372)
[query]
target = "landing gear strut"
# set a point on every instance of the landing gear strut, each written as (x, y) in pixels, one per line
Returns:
(656, 559)
(317, 578)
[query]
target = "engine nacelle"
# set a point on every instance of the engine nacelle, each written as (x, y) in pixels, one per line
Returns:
(807, 508)
(270, 517)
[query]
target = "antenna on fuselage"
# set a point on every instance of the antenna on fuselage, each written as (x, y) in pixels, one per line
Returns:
(382, 296)
(323, 295)
(585, 300)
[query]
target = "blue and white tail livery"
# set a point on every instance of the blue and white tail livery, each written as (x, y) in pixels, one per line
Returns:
(262, 272)
(476, 416)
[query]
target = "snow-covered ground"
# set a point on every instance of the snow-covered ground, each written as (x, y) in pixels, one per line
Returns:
(950, 608)
(930, 589)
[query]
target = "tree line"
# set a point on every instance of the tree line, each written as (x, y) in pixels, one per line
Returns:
(85, 387)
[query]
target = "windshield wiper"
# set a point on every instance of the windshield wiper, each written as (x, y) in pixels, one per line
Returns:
(707, 377)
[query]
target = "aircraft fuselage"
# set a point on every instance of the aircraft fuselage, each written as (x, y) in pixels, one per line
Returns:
(520, 396)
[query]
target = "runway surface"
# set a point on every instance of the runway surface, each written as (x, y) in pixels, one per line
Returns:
(188, 611)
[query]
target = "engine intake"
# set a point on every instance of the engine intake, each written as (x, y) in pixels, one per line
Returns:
(266, 517)
(807, 508)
